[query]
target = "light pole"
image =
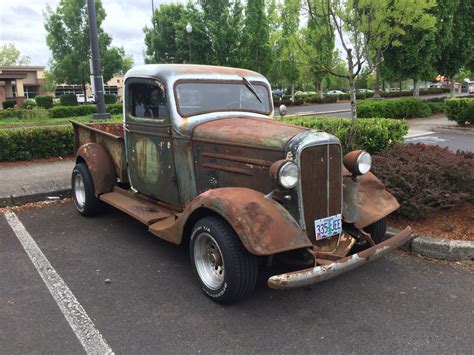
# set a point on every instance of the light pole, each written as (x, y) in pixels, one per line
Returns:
(189, 30)
(97, 82)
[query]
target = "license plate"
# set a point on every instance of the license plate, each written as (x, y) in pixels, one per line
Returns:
(327, 227)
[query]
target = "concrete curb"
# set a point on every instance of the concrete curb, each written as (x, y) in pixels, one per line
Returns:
(454, 129)
(438, 248)
(42, 196)
(318, 113)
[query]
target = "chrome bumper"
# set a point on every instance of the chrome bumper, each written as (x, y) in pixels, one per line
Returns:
(317, 274)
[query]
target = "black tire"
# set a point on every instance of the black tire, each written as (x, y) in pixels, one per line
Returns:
(377, 230)
(234, 272)
(87, 204)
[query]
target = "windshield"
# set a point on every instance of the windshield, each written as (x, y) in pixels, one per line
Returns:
(198, 97)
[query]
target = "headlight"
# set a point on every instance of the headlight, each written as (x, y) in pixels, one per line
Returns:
(285, 173)
(358, 162)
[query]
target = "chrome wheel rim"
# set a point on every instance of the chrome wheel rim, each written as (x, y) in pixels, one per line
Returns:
(79, 191)
(209, 261)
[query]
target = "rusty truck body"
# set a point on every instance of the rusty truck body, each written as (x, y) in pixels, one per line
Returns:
(200, 160)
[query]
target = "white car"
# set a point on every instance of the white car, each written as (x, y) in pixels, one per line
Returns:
(364, 91)
(335, 92)
(80, 99)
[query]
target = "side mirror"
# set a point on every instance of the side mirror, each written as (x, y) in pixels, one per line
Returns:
(283, 110)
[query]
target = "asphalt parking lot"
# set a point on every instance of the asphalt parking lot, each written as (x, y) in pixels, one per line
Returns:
(399, 304)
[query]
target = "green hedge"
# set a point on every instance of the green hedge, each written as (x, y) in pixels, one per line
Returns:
(110, 98)
(22, 114)
(9, 103)
(44, 101)
(82, 110)
(68, 100)
(35, 143)
(371, 134)
(460, 110)
(436, 107)
(401, 108)
(30, 103)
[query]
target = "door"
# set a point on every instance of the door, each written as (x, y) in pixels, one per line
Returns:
(148, 138)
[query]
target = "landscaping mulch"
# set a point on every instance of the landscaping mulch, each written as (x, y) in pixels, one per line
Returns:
(455, 224)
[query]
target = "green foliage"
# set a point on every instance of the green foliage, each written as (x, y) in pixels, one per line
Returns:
(30, 103)
(110, 98)
(401, 108)
(425, 178)
(68, 40)
(35, 143)
(256, 53)
(371, 134)
(68, 100)
(436, 107)
(44, 101)
(10, 56)
(115, 109)
(71, 111)
(460, 110)
(22, 114)
(8, 103)
(49, 84)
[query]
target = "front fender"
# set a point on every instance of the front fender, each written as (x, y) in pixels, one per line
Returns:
(263, 225)
(366, 200)
(100, 166)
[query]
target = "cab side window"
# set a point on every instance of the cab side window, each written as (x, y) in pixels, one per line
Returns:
(147, 100)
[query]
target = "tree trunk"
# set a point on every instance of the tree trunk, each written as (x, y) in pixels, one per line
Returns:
(416, 88)
(84, 92)
(293, 91)
(377, 74)
(321, 93)
(400, 86)
(451, 85)
(352, 88)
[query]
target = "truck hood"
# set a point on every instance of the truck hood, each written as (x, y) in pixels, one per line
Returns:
(247, 131)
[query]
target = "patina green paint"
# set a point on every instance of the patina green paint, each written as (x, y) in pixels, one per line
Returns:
(148, 163)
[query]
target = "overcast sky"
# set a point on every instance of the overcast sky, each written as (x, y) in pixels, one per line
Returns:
(21, 22)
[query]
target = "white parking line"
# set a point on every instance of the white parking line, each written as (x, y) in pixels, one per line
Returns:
(418, 134)
(92, 341)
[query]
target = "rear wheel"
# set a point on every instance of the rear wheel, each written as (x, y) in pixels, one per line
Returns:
(377, 230)
(226, 271)
(83, 192)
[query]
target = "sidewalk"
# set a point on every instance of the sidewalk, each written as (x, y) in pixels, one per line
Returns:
(29, 182)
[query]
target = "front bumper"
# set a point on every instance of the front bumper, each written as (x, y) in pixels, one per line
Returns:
(317, 274)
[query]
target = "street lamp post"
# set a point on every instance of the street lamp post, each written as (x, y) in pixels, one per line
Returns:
(189, 30)
(97, 82)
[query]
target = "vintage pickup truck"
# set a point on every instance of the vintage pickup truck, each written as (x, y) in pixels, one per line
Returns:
(200, 161)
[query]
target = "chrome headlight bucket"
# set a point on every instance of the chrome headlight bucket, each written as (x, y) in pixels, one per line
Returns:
(285, 173)
(358, 162)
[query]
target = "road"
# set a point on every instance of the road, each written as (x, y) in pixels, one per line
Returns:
(398, 304)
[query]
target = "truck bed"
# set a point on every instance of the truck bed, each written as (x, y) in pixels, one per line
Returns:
(110, 135)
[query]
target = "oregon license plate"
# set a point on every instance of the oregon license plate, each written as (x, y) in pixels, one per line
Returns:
(327, 227)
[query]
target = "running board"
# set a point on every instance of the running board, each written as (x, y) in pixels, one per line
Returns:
(144, 211)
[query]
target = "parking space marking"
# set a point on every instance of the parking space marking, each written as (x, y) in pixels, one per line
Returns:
(92, 341)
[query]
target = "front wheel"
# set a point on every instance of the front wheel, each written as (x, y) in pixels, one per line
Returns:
(227, 272)
(83, 192)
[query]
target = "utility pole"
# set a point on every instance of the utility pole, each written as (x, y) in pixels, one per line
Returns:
(97, 82)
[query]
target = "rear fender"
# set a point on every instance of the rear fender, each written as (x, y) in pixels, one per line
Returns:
(366, 200)
(100, 166)
(263, 225)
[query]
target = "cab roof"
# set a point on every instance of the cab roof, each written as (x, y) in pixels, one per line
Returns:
(169, 73)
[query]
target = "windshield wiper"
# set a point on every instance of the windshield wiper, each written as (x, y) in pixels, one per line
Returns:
(251, 88)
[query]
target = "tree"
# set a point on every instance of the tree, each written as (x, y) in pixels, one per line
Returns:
(223, 23)
(363, 26)
(412, 57)
(256, 53)
(68, 39)
(160, 39)
(49, 83)
(454, 37)
(10, 56)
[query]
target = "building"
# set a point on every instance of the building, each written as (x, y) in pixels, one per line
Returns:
(24, 82)
(20, 83)
(468, 86)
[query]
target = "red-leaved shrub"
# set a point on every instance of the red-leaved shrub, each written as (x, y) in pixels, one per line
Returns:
(425, 178)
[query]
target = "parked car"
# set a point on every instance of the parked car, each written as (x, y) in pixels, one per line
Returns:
(335, 92)
(365, 91)
(200, 161)
(278, 92)
(81, 99)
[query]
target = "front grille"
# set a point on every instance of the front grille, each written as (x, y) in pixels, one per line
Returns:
(321, 183)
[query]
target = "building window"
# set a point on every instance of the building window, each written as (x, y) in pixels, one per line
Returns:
(31, 91)
(111, 89)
